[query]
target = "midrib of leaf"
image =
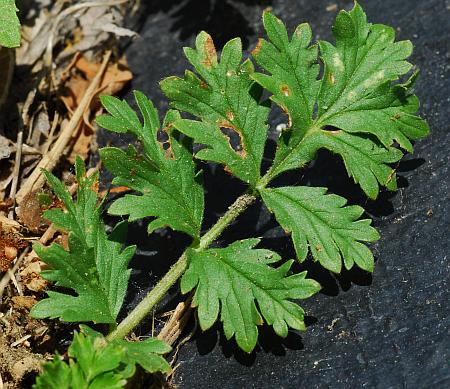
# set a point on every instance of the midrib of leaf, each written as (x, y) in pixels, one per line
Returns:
(274, 169)
(252, 282)
(243, 324)
(315, 213)
(348, 83)
(294, 72)
(316, 124)
(184, 203)
(179, 200)
(82, 234)
(94, 290)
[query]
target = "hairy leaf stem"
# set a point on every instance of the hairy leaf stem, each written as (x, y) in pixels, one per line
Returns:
(177, 270)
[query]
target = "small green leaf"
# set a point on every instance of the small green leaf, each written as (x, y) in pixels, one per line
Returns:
(55, 375)
(94, 355)
(357, 93)
(223, 98)
(365, 159)
(231, 280)
(294, 69)
(95, 266)
(323, 225)
(95, 363)
(147, 354)
(9, 24)
(166, 180)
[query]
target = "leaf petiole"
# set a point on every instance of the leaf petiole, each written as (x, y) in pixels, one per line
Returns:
(177, 270)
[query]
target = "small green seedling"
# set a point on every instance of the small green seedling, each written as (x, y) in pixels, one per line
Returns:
(358, 109)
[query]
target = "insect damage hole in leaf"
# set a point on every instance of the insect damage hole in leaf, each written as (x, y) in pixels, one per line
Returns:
(221, 96)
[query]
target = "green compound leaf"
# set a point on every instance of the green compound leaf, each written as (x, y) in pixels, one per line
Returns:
(55, 375)
(147, 353)
(356, 94)
(223, 98)
(323, 225)
(365, 159)
(233, 279)
(95, 363)
(166, 180)
(9, 24)
(95, 265)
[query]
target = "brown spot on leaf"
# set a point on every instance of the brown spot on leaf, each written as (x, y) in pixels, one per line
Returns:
(285, 90)
(390, 176)
(167, 146)
(209, 53)
(331, 79)
(227, 169)
(168, 152)
(318, 248)
(230, 115)
(257, 48)
(334, 132)
(203, 85)
(287, 231)
(396, 116)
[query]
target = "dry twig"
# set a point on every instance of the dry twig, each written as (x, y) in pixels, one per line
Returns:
(16, 170)
(7, 276)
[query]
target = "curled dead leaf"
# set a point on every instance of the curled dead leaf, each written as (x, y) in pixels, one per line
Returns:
(31, 277)
(24, 301)
(32, 207)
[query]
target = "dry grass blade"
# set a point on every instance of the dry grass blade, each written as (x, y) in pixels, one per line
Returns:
(12, 193)
(7, 276)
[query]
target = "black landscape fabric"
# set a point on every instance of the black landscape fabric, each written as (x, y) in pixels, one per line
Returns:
(386, 330)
